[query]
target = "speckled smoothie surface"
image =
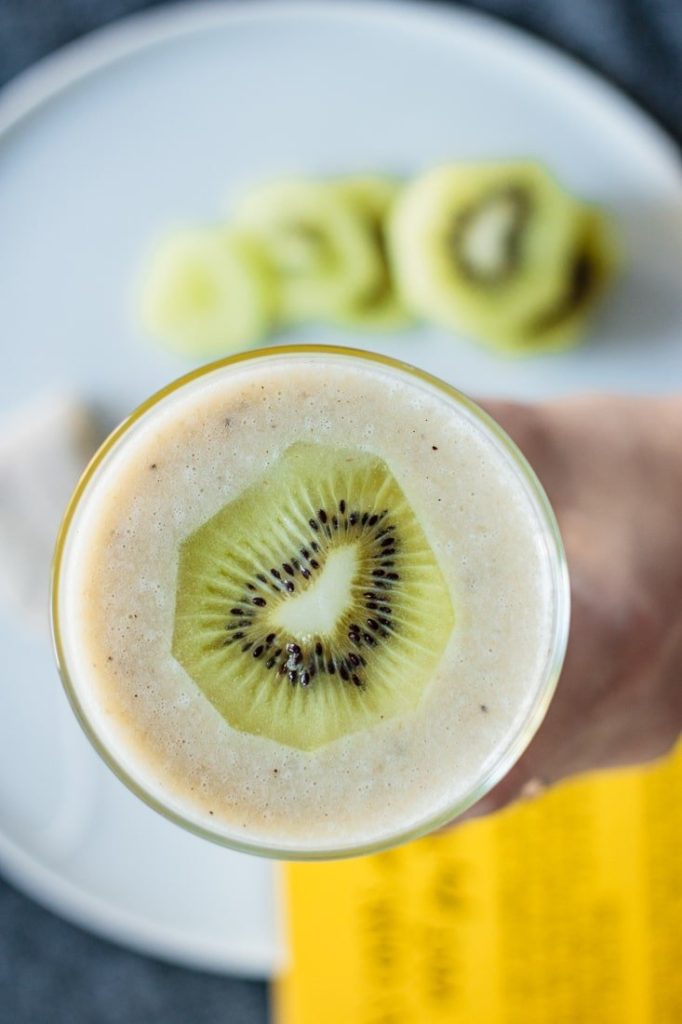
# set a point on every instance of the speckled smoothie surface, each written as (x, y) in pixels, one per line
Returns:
(182, 462)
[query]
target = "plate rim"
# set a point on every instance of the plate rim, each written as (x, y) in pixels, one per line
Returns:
(81, 907)
(50, 76)
(32, 89)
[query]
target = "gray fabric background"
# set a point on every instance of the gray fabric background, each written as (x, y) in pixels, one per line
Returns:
(51, 972)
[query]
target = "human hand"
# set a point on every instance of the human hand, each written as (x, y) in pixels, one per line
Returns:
(612, 469)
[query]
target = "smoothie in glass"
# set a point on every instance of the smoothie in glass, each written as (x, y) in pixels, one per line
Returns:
(310, 602)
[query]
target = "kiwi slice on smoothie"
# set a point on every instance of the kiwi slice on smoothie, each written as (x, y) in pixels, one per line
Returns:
(480, 247)
(312, 605)
(323, 255)
(207, 292)
(373, 198)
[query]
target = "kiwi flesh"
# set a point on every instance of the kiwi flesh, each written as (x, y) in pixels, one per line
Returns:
(590, 270)
(312, 605)
(321, 252)
(480, 247)
(207, 292)
(379, 307)
(563, 320)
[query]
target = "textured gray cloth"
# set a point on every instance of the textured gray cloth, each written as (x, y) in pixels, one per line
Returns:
(53, 973)
(49, 970)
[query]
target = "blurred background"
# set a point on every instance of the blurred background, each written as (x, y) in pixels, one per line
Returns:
(55, 971)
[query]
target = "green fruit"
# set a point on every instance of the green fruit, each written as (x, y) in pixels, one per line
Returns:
(373, 195)
(481, 247)
(323, 255)
(207, 292)
(312, 606)
(380, 307)
(563, 322)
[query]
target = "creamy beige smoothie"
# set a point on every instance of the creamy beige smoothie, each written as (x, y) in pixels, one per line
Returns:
(481, 663)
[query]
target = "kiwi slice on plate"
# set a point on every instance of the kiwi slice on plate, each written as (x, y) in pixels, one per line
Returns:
(373, 198)
(312, 605)
(589, 272)
(563, 320)
(477, 247)
(323, 255)
(207, 292)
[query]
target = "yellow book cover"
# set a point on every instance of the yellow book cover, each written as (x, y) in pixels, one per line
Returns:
(566, 910)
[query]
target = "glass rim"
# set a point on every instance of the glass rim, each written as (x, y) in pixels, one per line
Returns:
(519, 740)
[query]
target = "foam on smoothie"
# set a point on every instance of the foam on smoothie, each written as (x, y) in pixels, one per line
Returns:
(197, 450)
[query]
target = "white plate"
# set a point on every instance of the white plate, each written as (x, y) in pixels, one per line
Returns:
(153, 122)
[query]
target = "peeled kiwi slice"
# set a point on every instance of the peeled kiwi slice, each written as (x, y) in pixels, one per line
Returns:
(323, 255)
(562, 321)
(480, 247)
(207, 292)
(312, 606)
(592, 266)
(379, 307)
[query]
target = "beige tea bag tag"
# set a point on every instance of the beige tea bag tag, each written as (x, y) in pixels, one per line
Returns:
(44, 448)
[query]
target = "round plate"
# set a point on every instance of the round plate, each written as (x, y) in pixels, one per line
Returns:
(158, 121)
